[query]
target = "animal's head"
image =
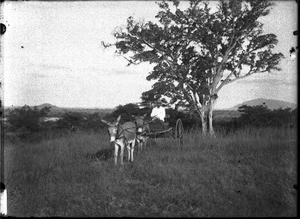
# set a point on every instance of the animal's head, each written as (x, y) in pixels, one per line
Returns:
(139, 119)
(112, 128)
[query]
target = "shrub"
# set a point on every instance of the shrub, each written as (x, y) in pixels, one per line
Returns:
(27, 118)
(126, 111)
(26, 121)
(261, 116)
(86, 122)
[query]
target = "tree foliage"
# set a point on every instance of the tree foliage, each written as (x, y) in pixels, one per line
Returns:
(25, 123)
(261, 116)
(195, 47)
(197, 50)
(126, 111)
(27, 118)
(80, 121)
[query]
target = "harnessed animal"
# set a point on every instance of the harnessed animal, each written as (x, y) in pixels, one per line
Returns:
(141, 131)
(122, 135)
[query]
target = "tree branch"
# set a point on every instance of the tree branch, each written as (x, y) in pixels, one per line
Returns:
(159, 51)
(227, 81)
(131, 62)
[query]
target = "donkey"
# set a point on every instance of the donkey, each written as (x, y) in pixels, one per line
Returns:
(122, 135)
(141, 131)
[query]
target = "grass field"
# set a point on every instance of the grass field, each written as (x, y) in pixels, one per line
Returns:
(246, 173)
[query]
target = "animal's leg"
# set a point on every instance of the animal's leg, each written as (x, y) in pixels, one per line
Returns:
(142, 143)
(146, 139)
(128, 150)
(140, 146)
(132, 149)
(122, 153)
(116, 153)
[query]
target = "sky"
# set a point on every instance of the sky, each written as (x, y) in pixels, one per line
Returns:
(52, 53)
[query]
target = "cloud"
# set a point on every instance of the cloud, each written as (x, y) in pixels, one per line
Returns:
(54, 67)
(123, 72)
(270, 80)
(116, 70)
(40, 75)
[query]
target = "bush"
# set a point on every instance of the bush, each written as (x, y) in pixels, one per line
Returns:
(261, 116)
(26, 121)
(86, 122)
(126, 111)
(69, 120)
(27, 118)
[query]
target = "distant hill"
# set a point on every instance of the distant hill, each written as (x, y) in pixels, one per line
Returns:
(59, 111)
(46, 105)
(270, 103)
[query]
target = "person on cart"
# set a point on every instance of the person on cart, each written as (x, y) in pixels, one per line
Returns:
(158, 115)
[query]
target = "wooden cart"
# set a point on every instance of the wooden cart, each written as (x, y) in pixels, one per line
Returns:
(175, 132)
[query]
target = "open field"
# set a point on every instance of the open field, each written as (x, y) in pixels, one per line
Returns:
(246, 173)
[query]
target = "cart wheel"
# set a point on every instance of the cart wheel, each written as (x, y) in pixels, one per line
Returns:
(179, 133)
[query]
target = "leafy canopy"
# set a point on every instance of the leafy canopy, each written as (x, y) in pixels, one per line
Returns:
(197, 50)
(27, 118)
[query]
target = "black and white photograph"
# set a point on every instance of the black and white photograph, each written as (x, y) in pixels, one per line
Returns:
(149, 108)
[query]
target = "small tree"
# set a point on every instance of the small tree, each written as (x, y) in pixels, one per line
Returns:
(255, 115)
(126, 111)
(70, 120)
(26, 121)
(261, 116)
(92, 122)
(196, 51)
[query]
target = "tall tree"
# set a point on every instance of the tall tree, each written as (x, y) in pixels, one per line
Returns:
(197, 51)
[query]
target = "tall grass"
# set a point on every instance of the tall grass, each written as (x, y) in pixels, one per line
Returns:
(245, 173)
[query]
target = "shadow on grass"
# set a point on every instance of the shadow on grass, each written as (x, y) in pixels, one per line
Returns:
(103, 154)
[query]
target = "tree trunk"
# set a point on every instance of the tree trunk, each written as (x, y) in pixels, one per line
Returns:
(204, 122)
(210, 118)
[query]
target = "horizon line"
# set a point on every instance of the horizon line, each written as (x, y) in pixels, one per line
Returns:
(98, 107)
